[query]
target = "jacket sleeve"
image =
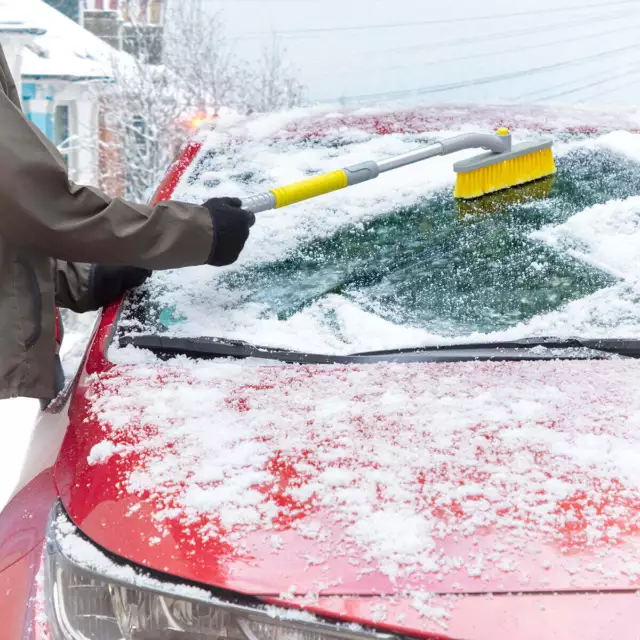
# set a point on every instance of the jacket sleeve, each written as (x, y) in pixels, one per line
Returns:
(41, 210)
(73, 281)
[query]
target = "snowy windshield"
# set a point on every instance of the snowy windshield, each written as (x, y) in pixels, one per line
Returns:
(398, 262)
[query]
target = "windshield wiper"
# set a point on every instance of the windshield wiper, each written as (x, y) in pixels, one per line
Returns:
(627, 348)
(525, 349)
(208, 348)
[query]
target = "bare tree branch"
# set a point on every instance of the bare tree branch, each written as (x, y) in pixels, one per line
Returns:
(148, 108)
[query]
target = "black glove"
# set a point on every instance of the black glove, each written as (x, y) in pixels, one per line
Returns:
(231, 226)
(107, 284)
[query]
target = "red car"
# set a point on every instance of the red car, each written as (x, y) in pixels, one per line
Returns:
(395, 416)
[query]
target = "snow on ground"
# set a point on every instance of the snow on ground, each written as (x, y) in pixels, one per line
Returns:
(18, 416)
(468, 51)
(17, 419)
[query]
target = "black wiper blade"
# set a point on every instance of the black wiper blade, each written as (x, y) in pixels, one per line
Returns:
(620, 346)
(212, 348)
(628, 348)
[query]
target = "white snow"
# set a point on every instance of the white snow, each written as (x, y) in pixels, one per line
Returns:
(79, 550)
(607, 236)
(18, 416)
(42, 629)
(397, 458)
(362, 47)
(489, 454)
(17, 419)
(492, 455)
(14, 17)
(65, 50)
(102, 452)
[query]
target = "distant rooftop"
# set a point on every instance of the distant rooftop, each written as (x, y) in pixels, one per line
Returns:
(63, 48)
(17, 18)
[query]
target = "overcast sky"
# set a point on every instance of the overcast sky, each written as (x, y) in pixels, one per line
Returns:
(498, 50)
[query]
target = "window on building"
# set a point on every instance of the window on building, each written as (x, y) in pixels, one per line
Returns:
(155, 12)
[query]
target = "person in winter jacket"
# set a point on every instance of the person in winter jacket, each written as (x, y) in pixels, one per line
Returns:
(72, 246)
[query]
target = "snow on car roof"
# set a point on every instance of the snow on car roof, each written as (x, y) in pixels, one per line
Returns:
(241, 157)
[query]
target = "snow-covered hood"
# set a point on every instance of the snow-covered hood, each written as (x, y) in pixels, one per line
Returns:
(379, 479)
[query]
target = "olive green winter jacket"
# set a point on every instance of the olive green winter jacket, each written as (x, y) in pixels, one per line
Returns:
(51, 229)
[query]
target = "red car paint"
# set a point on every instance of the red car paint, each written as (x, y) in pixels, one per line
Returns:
(90, 497)
(176, 171)
(255, 569)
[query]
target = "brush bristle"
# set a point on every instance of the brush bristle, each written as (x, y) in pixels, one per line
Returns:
(506, 174)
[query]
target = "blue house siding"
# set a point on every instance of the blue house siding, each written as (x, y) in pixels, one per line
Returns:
(28, 91)
(37, 101)
(44, 122)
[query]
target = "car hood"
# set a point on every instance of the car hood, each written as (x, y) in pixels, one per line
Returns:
(363, 480)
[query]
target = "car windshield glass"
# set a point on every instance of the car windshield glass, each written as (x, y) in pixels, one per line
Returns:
(398, 262)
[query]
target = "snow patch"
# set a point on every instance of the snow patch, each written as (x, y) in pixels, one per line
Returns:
(102, 452)
(606, 236)
(396, 459)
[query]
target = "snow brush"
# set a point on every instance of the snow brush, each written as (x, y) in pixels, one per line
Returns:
(504, 166)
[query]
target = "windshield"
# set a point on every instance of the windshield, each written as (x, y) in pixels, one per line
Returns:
(398, 262)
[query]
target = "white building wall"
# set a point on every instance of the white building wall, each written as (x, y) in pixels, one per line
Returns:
(12, 44)
(88, 126)
(84, 131)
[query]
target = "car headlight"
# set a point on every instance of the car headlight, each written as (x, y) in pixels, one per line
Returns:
(89, 597)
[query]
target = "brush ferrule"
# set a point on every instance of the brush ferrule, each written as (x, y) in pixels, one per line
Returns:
(259, 202)
(357, 173)
(491, 142)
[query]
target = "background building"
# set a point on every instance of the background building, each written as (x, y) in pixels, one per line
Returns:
(58, 66)
(134, 26)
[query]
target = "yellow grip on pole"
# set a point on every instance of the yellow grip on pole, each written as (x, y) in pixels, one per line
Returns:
(310, 188)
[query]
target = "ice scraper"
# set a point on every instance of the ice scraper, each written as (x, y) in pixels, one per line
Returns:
(504, 165)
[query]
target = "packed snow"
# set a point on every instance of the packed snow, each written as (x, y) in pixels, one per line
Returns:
(17, 419)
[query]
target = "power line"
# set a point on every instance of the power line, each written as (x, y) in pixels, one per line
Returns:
(612, 90)
(592, 84)
(492, 79)
(441, 21)
(474, 56)
(502, 35)
(562, 85)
